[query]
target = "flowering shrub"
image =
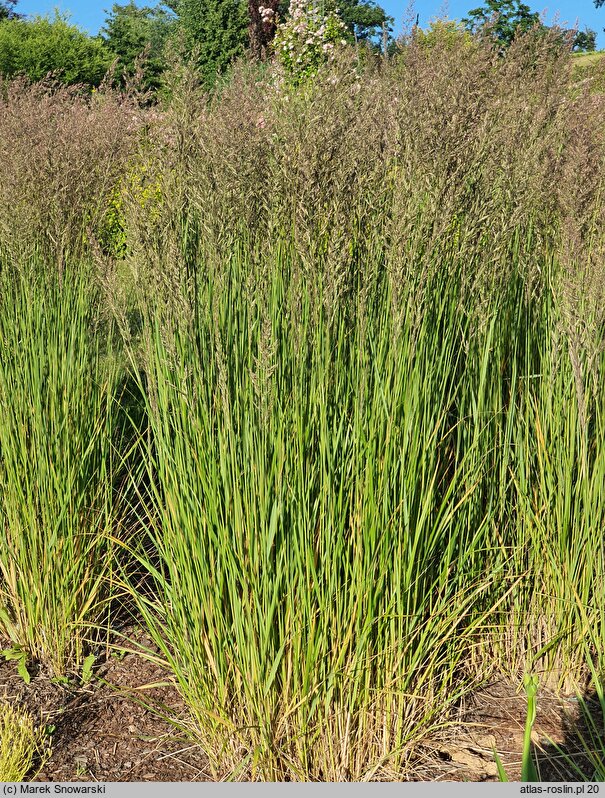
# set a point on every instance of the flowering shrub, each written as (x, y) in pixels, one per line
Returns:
(308, 38)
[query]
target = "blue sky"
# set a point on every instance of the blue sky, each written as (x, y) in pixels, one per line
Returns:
(89, 14)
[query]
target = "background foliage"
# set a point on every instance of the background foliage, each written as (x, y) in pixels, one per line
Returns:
(46, 45)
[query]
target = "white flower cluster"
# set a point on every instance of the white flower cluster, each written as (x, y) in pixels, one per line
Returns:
(308, 38)
(267, 14)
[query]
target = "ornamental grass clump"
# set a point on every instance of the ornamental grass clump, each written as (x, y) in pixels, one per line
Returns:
(364, 314)
(371, 357)
(308, 527)
(59, 445)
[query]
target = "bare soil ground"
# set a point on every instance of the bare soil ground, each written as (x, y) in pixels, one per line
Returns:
(494, 719)
(106, 731)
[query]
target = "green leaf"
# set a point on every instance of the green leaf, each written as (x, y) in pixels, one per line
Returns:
(11, 654)
(502, 774)
(87, 668)
(528, 769)
(22, 670)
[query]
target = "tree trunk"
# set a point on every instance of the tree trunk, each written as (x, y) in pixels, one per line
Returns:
(262, 24)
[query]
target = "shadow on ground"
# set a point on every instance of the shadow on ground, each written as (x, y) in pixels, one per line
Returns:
(580, 754)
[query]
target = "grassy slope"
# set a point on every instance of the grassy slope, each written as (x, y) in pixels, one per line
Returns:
(588, 59)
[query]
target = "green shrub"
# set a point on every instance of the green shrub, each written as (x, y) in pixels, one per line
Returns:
(44, 45)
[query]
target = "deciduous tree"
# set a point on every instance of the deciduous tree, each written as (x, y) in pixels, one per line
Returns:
(364, 19)
(217, 29)
(131, 31)
(585, 41)
(503, 18)
(262, 25)
(7, 9)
